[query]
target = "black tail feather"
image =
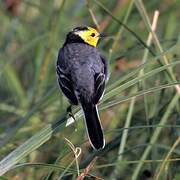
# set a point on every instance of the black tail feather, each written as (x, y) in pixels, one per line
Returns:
(93, 124)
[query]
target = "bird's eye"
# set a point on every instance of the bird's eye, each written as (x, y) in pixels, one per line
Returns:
(93, 34)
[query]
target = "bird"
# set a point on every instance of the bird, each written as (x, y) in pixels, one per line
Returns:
(82, 74)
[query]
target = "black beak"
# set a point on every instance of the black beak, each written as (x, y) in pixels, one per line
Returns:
(103, 35)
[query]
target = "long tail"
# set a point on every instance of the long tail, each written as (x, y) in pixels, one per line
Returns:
(93, 125)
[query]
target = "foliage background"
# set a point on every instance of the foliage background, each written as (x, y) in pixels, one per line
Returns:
(140, 111)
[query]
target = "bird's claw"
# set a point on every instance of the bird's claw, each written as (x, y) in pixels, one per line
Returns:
(70, 113)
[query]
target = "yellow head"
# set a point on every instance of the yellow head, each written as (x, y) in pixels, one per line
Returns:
(88, 35)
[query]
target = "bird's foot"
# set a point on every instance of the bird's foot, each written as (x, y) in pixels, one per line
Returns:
(70, 113)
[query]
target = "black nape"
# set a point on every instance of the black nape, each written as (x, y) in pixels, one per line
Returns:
(73, 38)
(83, 28)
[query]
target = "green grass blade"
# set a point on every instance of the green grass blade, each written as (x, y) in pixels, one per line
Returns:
(155, 135)
(22, 151)
(140, 93)
(126, 85)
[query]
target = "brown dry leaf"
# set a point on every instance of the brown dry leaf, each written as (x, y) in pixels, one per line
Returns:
(86, 170)
(108, 18)
(13, 6)
(123, 64)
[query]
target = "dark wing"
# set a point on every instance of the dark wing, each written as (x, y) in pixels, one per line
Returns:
(66, 86)
(104, 61)
(100, 81)
(99, 86)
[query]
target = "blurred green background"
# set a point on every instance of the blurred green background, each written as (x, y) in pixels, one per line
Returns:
(140, 111)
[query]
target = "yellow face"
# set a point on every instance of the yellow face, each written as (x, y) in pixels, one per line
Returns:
(90, 36)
